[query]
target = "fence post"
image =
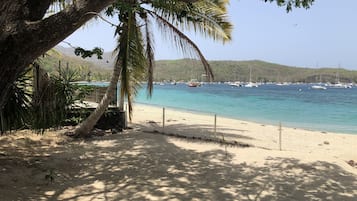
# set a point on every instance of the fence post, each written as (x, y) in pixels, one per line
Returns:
(280, 130)
(96, 95)
(163, 119)
(215, 124)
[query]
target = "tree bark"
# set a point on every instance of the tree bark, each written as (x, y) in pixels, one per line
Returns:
(25, 34)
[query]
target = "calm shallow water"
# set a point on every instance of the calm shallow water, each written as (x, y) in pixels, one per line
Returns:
(333, 110)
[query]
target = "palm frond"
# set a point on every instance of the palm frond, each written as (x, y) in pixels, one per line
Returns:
(131, 58)
(184, 43)
(149, 55)
(208, 17)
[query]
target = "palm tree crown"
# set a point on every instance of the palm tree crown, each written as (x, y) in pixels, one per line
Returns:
(135, 51)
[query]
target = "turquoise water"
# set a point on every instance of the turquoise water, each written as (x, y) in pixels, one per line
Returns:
(331, 110)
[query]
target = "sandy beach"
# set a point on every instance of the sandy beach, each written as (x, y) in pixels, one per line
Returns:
(147, 162)
(298, 143)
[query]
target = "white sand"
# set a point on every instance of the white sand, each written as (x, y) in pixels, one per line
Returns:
(304, 145)
(141, 165)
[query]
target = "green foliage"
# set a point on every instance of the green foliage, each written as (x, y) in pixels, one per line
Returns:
(135, 52)
(293, 3)
(54, 99)
(130, 55)
(89, 53)
(15, 113)
(39, 102)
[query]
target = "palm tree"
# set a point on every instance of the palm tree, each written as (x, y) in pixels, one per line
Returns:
(135, 55)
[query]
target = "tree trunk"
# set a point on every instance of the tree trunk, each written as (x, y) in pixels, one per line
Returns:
(25, 34)
(121, 103)
(88, 124)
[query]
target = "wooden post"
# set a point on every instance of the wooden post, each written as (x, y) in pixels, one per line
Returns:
(280, 130)
(215, 124)
(96, 95)
(163, 119)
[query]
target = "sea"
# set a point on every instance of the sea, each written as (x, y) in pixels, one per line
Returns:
(295, 105)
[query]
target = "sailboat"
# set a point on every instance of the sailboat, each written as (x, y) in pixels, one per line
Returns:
(338, 84)
(250, 84)
(319, 85)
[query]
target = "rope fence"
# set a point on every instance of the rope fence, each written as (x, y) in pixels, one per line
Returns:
(206, 127)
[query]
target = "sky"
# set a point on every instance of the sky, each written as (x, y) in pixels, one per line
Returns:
(323, 36)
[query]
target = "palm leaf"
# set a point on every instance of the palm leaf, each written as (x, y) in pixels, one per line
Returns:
(208, 17)
(131, 58)
(184, 43)
(149, 55)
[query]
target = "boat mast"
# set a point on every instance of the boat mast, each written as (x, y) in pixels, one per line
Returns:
(250, 74)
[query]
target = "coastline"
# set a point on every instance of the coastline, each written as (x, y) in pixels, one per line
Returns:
(286, 124)
(262, 122)
(305, 145)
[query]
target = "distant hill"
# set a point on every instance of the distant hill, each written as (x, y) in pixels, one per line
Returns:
(106, 62)
(186, 69)
(53, 59)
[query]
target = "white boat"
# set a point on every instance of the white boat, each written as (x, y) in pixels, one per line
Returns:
(283, 84)
(193, 83)
(250, 84)
(318, 87)
(235, 84)
(338, 84)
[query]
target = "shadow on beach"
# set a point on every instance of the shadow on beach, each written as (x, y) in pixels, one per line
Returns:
(143, 166)
(204, 131)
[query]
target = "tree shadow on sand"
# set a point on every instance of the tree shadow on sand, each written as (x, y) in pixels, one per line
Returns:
(143, 166)
(204, 131)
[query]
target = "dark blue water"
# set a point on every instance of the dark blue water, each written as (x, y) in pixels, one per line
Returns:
(333, 110)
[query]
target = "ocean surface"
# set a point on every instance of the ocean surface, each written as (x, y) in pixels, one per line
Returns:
(298, 106)
(331, 110)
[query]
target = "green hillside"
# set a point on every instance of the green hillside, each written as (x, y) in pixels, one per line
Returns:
(53, 59)
(187, 69)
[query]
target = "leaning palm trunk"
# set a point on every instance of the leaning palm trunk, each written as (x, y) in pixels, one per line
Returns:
(87, 125)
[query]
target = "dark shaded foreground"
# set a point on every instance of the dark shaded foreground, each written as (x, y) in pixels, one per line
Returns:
(142, 166)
